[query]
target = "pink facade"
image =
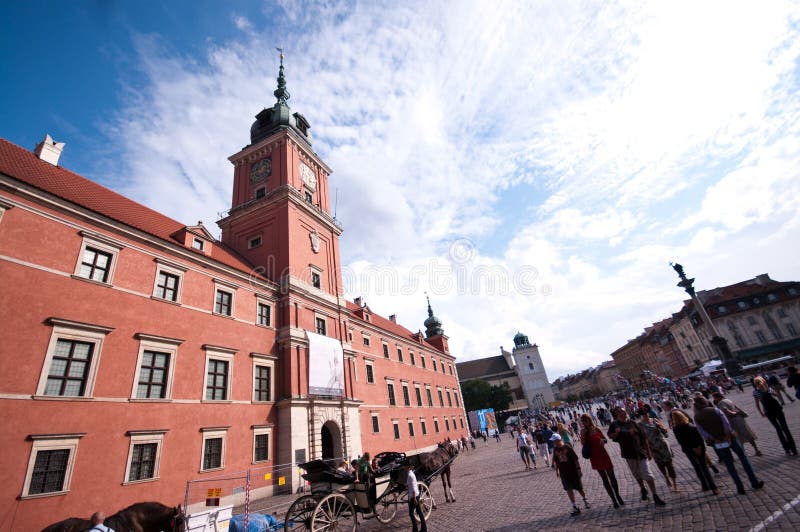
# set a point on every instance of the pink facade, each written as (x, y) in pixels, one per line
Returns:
(132, 361)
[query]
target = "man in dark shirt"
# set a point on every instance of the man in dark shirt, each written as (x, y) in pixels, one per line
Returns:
(713, 425)
(636, 452)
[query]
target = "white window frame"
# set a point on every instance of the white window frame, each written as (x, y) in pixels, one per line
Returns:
(324, 320)
(313, 269)
(260, 359)
(406, 393)
(150, 342)
(51, 442)
(271, 305)
(412, 432)
(260, 430)
(218, 353)
(77, 331)
(422, 361)
(171, 268)
(365, 340)
(374, 417)
(210, 434)
(423, 427)
(369, 364)
(252, 238)
(4, 206)
(102, 243)
(384, 349)
(224, 287)
(140, 437)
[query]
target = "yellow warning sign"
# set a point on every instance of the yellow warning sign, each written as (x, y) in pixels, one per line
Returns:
(281, 481)
(218, 492)
(268, 476)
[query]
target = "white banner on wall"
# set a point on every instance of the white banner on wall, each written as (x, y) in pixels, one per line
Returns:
(325, 365)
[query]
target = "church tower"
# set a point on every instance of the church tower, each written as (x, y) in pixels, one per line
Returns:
(531, 372)
(280, 221)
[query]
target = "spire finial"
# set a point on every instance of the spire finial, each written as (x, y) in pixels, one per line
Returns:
(430, 310)
(281, 93)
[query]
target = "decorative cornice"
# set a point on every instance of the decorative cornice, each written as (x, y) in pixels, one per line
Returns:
(61, 322)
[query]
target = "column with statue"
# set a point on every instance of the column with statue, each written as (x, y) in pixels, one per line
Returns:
(720, 344)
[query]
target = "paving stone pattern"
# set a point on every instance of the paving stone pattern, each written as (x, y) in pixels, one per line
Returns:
(495, 493)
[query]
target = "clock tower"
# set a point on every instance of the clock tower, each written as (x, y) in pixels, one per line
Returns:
(280, 222)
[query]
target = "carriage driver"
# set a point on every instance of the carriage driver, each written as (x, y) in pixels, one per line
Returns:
(413, 499)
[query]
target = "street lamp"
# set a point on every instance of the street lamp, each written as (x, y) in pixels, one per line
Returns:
(719, 343)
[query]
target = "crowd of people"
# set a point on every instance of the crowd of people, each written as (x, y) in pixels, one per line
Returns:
(699, 414)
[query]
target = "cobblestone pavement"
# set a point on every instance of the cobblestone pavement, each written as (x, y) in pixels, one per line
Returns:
(495, 493)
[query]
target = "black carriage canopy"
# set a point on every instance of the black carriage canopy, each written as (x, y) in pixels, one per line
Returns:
(322, 471)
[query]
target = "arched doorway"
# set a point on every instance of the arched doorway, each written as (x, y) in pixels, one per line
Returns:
(331, 440)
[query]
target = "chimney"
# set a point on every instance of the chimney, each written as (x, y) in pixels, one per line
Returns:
(49, 150)
(393, 318)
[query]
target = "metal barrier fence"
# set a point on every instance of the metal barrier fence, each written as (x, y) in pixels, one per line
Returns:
(266, 490)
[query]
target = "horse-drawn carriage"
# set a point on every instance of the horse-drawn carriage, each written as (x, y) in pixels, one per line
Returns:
(337, 498)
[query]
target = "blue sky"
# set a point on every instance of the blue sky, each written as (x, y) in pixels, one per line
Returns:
(550, 158)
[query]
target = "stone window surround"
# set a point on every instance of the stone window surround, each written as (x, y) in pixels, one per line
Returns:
(260, 430)
(139, 437)
(51, 442)
(161, 344)
(101, 243)
(210, 433)
(218, 353)
(261, 359)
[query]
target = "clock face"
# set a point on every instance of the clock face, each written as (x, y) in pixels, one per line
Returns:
(308, 177)
(260, 170)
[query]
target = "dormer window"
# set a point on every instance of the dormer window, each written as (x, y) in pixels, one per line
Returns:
(198, 244)
(254, 242)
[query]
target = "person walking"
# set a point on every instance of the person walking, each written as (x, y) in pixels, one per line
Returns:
(541, 443)
(568, 468)
(655, 431)
(793, 380)
(715, 429)
(694, 448)
(413, 500)
(592, 438)
(97, 523)
(770, 408)
(524, 449)
(777, 388)
(634, 449)
(738, 420)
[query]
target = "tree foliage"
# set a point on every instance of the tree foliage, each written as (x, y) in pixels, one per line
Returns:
(479, 394)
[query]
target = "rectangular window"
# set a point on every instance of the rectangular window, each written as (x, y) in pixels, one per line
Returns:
(419, 395)
(449, 399)
(410, 428)
(790, 329)
(446, 425)
(461, 420)
(441, 399)
(143, 461)
(261, 192)
(320, 323)
(370, 373)
(390, 387)
(224, 303)
(422, 361)
(406, 398)
(254, 242)
(263, 383)
(212, 453)
(435, 425)
(386, 350)
(153, 375)
(50, 464)
(167, 286)
(455, 396)
(69, 368)
(761, 337)
(411, 358)
(261, 444)
(49, 471)
(423, 427)
(376, 428)
(396, 427)
(309, 197)
(365, 339)
(316, 280)
(95, 264)
(265, 314)
(217, 380)
(428, 393)
(433, 361)
(400, 354)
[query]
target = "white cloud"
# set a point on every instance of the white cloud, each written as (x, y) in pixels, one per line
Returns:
(656, 132)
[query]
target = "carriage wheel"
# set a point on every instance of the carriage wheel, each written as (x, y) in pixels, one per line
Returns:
(334, 512)
(425, 501)
(298, 518)
(386, 508)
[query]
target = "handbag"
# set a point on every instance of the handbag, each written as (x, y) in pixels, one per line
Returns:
(586, 451)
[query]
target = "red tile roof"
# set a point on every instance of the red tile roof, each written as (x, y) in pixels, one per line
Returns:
(388, 325)
(25, 166)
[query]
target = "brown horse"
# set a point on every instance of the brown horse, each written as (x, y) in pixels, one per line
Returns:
(139, 517)
(430, 463)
